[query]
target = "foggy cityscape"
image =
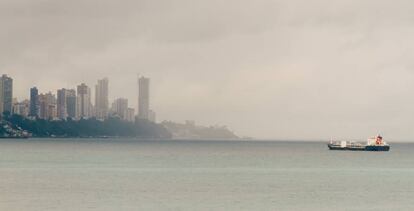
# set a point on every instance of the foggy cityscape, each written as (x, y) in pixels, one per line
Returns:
(267, 69)
(76, 103)
(206, 105)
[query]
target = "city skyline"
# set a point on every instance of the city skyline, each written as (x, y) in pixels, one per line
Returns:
(20, 96)
(75, 103)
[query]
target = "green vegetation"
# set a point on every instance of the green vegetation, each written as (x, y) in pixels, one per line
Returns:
(15, 126)
(112, 127)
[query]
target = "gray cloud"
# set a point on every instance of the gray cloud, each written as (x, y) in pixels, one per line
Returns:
(273, 69)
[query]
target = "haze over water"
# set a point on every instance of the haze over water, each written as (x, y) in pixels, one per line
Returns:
(92, 174)
(284, 69)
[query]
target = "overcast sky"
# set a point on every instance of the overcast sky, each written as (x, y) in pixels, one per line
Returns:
(284, 69)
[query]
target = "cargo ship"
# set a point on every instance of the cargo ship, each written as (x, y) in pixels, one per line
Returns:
(373, 144)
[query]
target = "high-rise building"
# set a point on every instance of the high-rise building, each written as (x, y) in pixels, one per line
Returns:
(101, 99)
(62, 104)
(47, 104)
(6, 94)
(143, 97)
(34, 102)
(120, 107)
(21, 108)
(71, 103)
(66, 103)
(84, 107)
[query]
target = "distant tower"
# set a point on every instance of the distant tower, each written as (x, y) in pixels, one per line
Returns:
(6, 94)
(71, 103)
(143, 97)
(62, 104)
(34, 102)
(101, 98)
(83, 102)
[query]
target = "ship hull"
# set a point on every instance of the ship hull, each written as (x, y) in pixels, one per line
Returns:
(377, 148)
(359, 148)
(333, 147)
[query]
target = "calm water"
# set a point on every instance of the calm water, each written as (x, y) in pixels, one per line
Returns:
(185, 175)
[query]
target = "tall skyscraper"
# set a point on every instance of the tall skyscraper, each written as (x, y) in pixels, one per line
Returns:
(34, 102)
(6, 94)
(62, 104)
(71, 103)
(143, 97)
(84, 107)
(101, 99)
(43, 106)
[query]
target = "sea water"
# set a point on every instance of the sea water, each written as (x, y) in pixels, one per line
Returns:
(105, 174)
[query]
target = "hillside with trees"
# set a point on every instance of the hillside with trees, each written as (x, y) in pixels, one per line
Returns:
(189, 130)
(111, 127)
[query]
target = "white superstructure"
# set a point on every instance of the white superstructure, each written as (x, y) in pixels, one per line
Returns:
(376, 141)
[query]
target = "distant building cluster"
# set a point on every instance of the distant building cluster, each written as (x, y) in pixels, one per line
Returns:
(76, 103)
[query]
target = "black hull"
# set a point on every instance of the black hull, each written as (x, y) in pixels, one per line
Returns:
(377, 148)
(336, 148)
(359, 148)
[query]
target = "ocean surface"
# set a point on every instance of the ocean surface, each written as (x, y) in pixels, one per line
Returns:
(86, 174)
